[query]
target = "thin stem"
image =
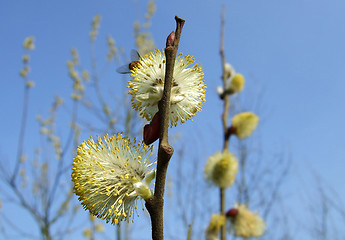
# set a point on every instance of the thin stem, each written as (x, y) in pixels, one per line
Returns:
(165, 151)
(96, 80)
(222, 210)
(61, 168)
(225, 114)
(189, 235)
(22, 131)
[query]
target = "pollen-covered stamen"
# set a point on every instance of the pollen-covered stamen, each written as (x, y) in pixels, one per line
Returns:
(106, 174)
(243, 124)
(187, 93)
(221, 169)
(246, 224)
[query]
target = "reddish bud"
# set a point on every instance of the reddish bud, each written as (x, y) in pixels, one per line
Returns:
(152, 130)
(232, 212)
(231, 130)
(171, 39)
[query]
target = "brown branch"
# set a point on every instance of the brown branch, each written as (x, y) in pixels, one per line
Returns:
(23, 125)
(165, 151)
(225, 114)
(226, 97)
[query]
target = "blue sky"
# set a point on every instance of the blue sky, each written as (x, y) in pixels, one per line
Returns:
(291, 52)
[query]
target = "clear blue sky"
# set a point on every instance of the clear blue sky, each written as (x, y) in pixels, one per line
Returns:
(292, 52)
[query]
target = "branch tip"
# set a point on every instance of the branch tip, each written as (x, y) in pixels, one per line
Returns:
(179, 20)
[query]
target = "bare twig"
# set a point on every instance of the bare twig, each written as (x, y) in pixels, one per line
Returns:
(225, 114)
(165, 151)
(22, 130)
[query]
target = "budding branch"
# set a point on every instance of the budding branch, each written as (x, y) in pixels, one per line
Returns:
(165, 151)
